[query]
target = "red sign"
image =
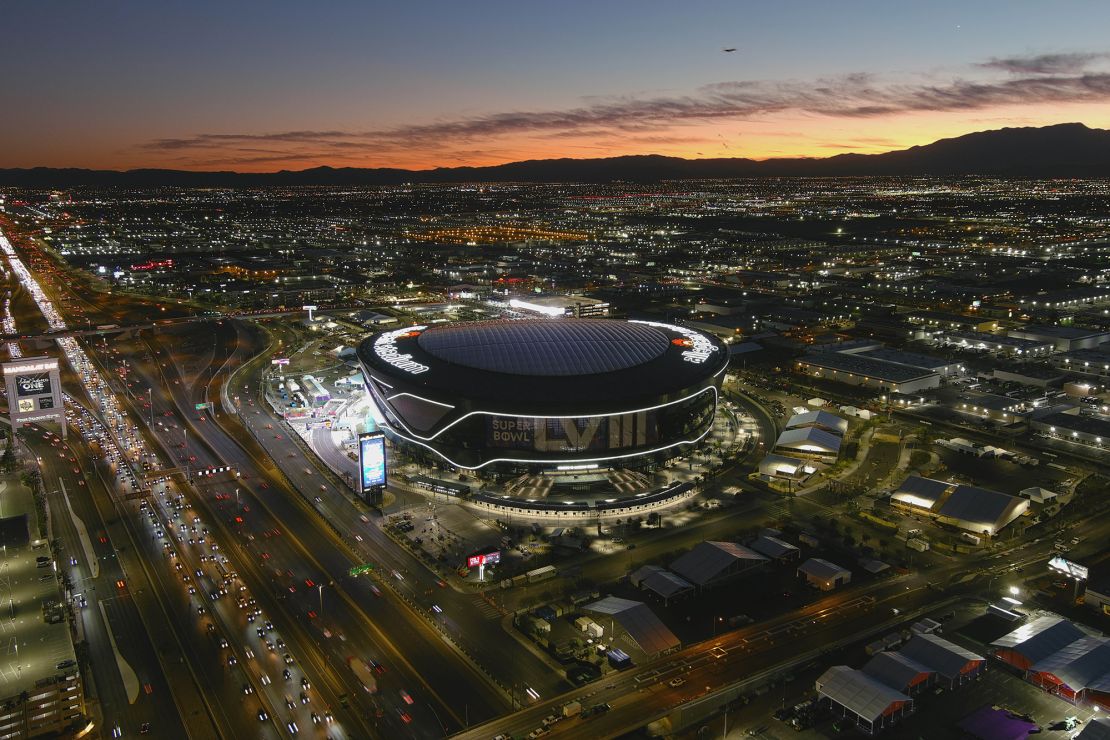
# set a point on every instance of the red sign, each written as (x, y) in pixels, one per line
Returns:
(475, 560)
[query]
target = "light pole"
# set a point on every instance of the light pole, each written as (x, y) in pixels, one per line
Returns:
(320, 589)
(150, 400)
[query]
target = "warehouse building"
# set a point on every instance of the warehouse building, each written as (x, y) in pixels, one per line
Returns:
(823, 575)
(868, 372)
(996, 344)
(820, 420)
(970, 508)
(710, 564)
(1061, 658)
(1066, 338)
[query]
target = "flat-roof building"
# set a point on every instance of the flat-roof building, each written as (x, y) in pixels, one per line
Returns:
(1066, 338)
(868, 372)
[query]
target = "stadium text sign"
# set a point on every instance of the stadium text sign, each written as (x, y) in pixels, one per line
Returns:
(385, 347)
(698, 347)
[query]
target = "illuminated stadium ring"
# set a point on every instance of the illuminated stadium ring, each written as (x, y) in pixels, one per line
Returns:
(545, 392)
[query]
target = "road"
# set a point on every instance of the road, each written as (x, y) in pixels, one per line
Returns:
(147, 698)
(642, 693)
(414, 654)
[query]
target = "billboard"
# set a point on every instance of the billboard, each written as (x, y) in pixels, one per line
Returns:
(489, 558)
(371, 461)
(1068, 568)
(34, 391)
(33, 385)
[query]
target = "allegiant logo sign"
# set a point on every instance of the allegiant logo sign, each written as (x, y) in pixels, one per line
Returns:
(700, 348)
(385, 347)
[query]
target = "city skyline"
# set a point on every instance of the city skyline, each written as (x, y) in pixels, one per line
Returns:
(261, 88)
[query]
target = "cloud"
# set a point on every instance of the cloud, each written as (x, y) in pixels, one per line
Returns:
(1045, 64)
(1037, 80)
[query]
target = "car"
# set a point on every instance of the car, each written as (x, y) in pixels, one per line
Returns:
(305, 684)
(248, 689)
(405, 716)
(264, 679)
(304, 698)
(405, 697)
(262, 716)
(674, 683)
(231, 660)
(1076, 540)
(144, 729)
(223, 643)
(551, 719)
(538, 732)
(286, 674)
(292, 727)
(289, 703)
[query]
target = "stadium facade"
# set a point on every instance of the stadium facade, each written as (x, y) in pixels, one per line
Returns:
(545, 394)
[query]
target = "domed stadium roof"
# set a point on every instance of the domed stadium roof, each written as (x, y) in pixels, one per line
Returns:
(544, 347)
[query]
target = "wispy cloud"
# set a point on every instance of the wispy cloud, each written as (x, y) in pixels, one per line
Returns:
(1034, 80)
(1046, 64)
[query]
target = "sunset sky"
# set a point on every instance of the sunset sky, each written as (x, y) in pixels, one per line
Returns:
(261, 86)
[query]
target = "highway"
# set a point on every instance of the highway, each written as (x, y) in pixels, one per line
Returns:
(93, 570)
(466, 616)
(300, 551)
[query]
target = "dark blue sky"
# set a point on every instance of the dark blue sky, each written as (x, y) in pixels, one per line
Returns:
(264, 85)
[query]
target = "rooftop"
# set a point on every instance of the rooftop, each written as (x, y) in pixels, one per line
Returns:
(866, 366)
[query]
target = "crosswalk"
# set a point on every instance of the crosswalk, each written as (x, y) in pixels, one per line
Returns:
(488, 611)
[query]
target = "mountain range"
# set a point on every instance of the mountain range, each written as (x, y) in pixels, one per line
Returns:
(1061, 151)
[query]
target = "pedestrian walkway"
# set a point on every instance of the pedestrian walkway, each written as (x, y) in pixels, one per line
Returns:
(488, 611)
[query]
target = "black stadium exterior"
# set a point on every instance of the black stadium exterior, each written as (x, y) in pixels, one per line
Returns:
(545, 394)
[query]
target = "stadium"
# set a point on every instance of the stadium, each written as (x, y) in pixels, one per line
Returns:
(544, 395)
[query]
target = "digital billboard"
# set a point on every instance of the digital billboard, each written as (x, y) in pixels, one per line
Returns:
(371, 460)
(33, 385)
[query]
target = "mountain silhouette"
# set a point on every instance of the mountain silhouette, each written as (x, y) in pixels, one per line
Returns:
(1063, 150)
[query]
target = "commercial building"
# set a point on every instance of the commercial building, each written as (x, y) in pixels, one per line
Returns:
(1071, 426)
(578, 306)
(928, 363)
(775, 549)
(868, 372)
(997, 344)
(638, 620)
(710, 564)
(820, 420)
(1066, 338)
(544, 394)
(823, 575)
(1060, 657)
(947, 660)
(980, 511)
(808, 442)
(1094, 362)
(42, 690)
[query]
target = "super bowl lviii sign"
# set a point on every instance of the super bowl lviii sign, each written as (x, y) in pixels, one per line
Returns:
(34, 391)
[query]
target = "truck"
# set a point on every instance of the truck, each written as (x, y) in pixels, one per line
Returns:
(571, 708)
(919, 545)
(969, 537)
(364, 675)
